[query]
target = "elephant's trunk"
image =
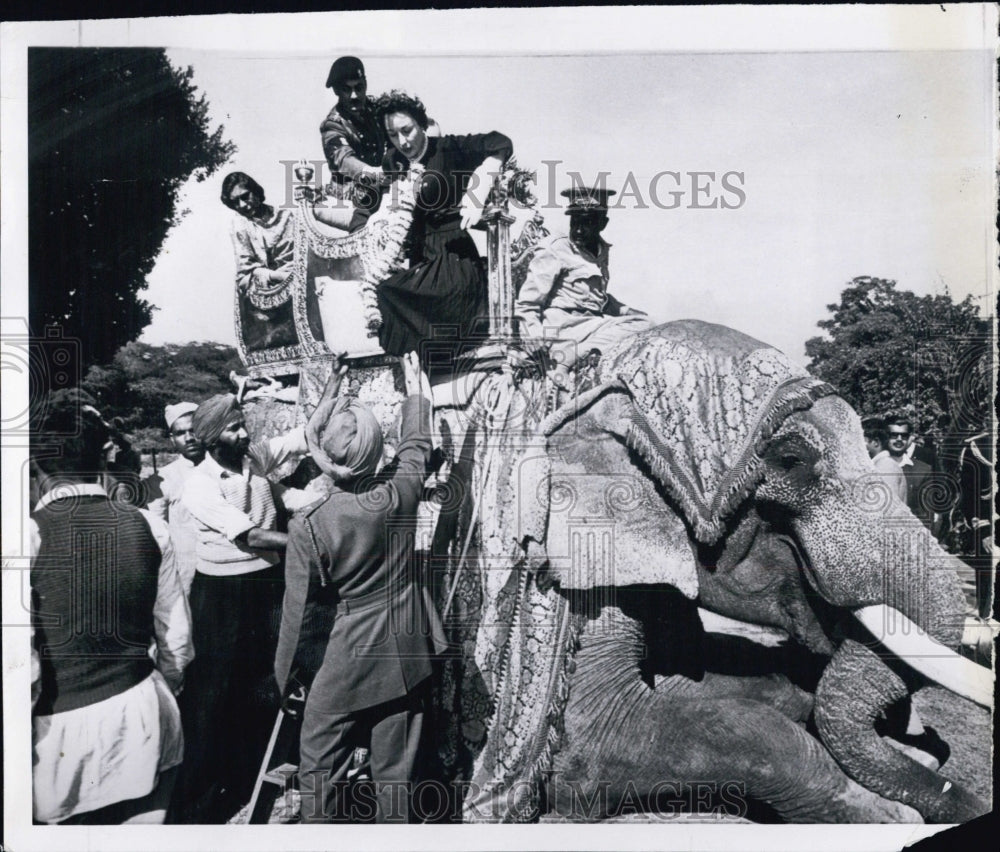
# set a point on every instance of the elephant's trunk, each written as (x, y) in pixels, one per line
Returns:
(854, 690)
(857, 686)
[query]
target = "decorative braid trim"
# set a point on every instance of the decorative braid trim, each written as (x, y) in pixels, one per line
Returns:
(540, 767)
(708, 520)
(577, 405)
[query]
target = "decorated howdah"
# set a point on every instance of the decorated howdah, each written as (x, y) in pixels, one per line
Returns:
(327, 303)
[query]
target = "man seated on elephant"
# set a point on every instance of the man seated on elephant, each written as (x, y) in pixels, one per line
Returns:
(564, 300)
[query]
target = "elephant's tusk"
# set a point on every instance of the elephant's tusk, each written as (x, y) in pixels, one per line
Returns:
(908, 641)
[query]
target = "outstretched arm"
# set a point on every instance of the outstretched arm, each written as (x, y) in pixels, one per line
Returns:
(415, 379)
(415, 432)
(334, 217)
(340, 153)
(262, 539)
(327, 400)
(479, 188)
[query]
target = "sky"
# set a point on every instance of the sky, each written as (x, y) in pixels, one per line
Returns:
(850, 163)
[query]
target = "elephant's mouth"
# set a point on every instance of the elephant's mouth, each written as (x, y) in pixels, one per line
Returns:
(938, 663)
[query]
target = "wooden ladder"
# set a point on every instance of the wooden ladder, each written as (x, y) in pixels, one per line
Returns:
(280, 761)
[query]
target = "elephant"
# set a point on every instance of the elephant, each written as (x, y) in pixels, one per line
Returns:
(720, 476)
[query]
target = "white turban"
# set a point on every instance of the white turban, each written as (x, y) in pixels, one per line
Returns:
(174, 412)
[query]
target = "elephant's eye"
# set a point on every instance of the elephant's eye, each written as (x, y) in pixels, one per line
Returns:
(789, 462)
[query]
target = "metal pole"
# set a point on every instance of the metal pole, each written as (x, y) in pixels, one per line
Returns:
(501, 287)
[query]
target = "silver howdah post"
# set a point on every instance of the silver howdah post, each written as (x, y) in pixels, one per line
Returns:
(501, 287)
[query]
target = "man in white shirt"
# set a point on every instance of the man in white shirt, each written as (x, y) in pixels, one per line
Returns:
(876, 437)
(229, 702)
(163, 489)
(236, 600)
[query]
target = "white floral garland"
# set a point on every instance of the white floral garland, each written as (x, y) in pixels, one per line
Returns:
(382, 254)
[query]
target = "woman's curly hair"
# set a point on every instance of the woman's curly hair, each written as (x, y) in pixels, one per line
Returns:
(398, 101)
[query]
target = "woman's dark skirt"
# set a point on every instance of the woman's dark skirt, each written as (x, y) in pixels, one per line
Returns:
(437, 307)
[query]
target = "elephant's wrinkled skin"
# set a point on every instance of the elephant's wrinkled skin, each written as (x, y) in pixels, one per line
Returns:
(817, 539)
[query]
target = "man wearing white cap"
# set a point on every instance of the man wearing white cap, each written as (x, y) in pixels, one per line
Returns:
(164, 489)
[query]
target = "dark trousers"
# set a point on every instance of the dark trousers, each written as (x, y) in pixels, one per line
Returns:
(230, 699)
(391, 730)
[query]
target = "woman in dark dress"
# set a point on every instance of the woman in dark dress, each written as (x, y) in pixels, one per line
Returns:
(445, 285)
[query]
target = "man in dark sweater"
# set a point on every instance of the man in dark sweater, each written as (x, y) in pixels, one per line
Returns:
(107, 733)
(354, 141)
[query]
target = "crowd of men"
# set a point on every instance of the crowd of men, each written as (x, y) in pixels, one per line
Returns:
(162, 650)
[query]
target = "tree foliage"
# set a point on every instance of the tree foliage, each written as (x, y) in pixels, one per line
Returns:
(113, 135)
(890, 350)
(142, 380)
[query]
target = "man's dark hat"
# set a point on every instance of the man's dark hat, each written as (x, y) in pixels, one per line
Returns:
(584, 199)
(345, 68)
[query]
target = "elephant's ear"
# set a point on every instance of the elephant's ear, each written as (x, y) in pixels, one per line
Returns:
(608, 523)
(704, 406)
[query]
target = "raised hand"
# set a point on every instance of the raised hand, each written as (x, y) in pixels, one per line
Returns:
(411, 373)
(471, 212)
(339, 369)
(414, 378)
(327, 400)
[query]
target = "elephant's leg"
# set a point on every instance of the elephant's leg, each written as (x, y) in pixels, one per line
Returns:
(774, 690)
(663, 740)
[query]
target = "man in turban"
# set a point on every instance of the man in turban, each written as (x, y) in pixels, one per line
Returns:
(352, 559)
(163, 489)
(228, 704)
